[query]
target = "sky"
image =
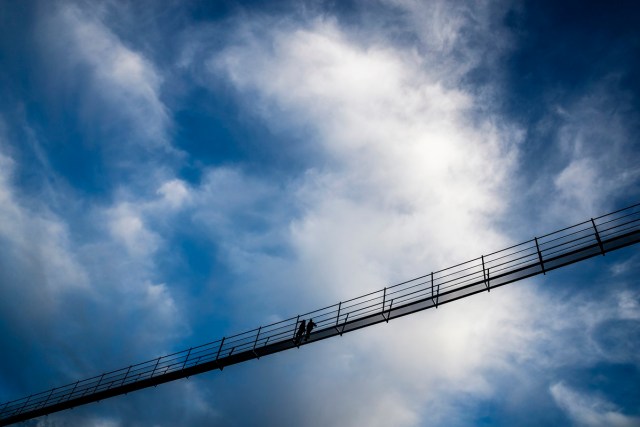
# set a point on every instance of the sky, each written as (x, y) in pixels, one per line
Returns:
(172, 172)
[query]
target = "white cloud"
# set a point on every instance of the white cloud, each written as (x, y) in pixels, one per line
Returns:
(403, 157)
(456, 36)
(127, 225)
(410, 178)
(69, 290)
(589, 410)
(117, 87)
(174, 192)
(578, 185)
(132, 218)
(37, 238)
(233, 205)
(598, 155)
(620, 268)
(628, 305)
(412, 175)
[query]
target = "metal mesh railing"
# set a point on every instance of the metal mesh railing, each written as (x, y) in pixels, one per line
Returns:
(562, 247)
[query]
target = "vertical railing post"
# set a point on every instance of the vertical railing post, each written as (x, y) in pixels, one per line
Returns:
(338, 317)
(389, 312)
(125, 376)
(484, 275)
(344, 325)
(295, 328)
(255, 343)
(220, 348)
(100, 381)
(384, 297)
(72, 390)
(432, 299)
(598, 237)
(48, 397)
(155, 367)
(218, 355)
(25, 404)
(540, 256)
(437, 291)
(257, 335)
(186, 359)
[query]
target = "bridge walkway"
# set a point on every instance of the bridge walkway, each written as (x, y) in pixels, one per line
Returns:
(591, 238)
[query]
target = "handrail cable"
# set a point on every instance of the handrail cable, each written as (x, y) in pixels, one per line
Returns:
(566, 246)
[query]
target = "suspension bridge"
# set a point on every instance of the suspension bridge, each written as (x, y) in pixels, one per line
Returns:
(591, 238)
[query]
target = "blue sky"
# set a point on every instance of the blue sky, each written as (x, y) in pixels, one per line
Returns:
(171, 172)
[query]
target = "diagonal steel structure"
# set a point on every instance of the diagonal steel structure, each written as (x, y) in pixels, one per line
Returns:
(594, 237)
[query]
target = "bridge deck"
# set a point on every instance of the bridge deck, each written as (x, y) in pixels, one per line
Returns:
(542, 254)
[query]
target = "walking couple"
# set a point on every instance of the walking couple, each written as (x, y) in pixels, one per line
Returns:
(304, 326)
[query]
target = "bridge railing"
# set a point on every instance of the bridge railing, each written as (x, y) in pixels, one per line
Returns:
(539, 253)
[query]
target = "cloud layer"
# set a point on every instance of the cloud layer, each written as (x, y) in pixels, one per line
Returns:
(379, 150)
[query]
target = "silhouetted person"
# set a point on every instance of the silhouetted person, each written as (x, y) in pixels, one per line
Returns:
(300, 331)
(310, 326)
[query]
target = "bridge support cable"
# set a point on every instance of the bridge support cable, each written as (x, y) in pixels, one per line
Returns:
(542, 254)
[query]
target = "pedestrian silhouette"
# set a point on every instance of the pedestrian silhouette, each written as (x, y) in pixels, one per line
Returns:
(310, 326)
(300, 331)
